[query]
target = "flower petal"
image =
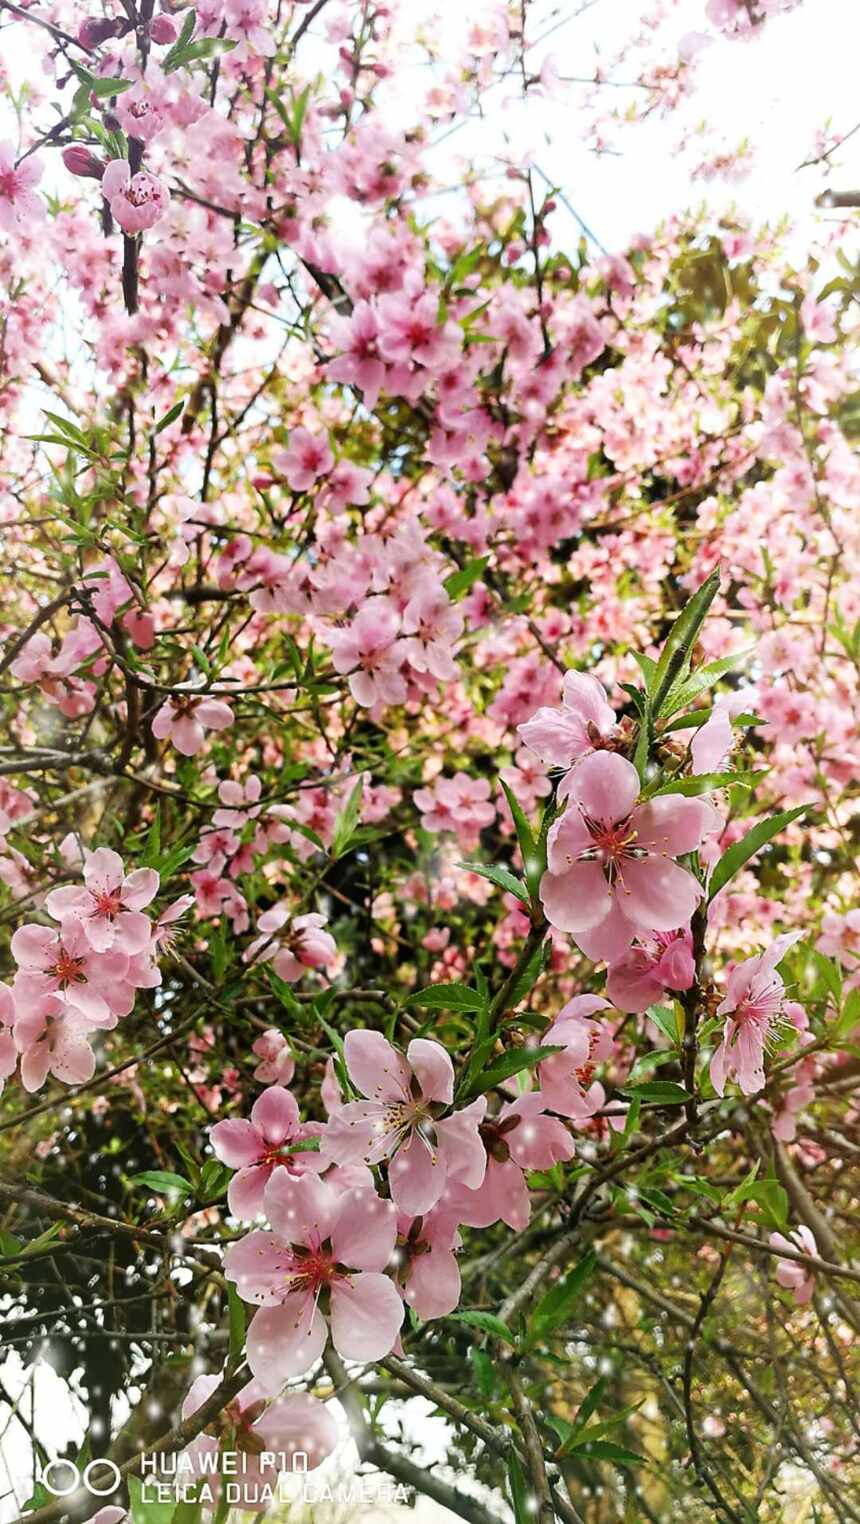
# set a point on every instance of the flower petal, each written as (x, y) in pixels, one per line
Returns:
(375, 1068)
(366, 1314)
(657, 894)
(577, 899)
(605, 786)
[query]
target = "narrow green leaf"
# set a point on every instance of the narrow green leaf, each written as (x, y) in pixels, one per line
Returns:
(664, 1091)
(501, 877)
(553, 1310)
(169, 418)
(511, 1063)
(347, 821)
(520, 1498)
(236, 1309)
(741, 851)
(163, 1181)
(486, 1321)
(459, 582)
(675, 654)
(447, 997)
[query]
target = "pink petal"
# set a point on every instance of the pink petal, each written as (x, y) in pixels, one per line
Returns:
(658, 894)
(356, 1133)
(605, 786)
(416, 1176)
(186, 734)
(236, 1143)
(103, 871)
(567, 838)
(556, 736)
(674, 825)
(609, 940)
(433, 1287)
(297, 1423)
(300, 1207)
(139, 888)
(460, 1146)
(214, 714)
(285, 1341)
(132, 932)
(33, 946)
(260, 1266)
(365, 1231)
(632, 984)
(276, 1114)
(577, 899)
(375, 1068)
(366, 1314)
(245, 1193)
(433, 1070)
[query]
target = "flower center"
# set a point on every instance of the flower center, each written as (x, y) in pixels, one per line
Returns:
(69, 970)
(612, 844)
(108, 903)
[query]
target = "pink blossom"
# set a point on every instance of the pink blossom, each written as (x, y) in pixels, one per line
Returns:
(581, 722)
(255, 1149)
(752, 1006)
(276, 1066)
(109, 906)
(305, 945)
(306, 457)
(184, 721)
(64, 963)
(425, 1264)
(165, 930)
(404, 1120)
(53, 1038)
(460, 804)
(658, 963)
(322, 1260)
(566, 1078)
(294, 1425)
(520, 1138)
(359, 363)
(19, 203)
(795, 1277)
(136, 201)
(431, 624)
(8, 1046)
(611, 870)
(369, 650)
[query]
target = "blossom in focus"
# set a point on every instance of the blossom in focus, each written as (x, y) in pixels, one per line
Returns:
(109, 906)
(321, 1263)
(583, 720)
(276, 1066)
(753, 1004)
(425, 1265)
(256, 1148)
(567, 1078)
(611, 872)
(304, 945)
(658, 963)
(790, 1273)
(520, 1138)
(184, 722)
(403, 1120)
(136, 201)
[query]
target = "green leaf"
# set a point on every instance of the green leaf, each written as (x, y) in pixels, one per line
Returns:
(664, 1091)
(768, 1195)
(485, 1376)
(741, 851)
(501, 877)
(533, 850)
(702, 783)
(603, 1449)
(589, 1404)
(553, 1310)
(447, 997)
(675, 655)
(163, 1181)
(145, 1510)
(520, 1496)
(703, 679)
(663, 1016)
(190, 1508)
(849, 1016)
(194, 52)
(169, 418)
(486, 1321)
(10, 1245)
(511, 1063)
(460, 581)
(347, 821)
(236, 1309)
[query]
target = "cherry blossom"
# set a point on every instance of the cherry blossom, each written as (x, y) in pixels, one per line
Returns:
(184, 722)
(797, 1278)
(256, 1148)
(109, 906)
(752, 1006)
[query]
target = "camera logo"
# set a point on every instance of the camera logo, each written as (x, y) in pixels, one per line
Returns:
(62, 1477)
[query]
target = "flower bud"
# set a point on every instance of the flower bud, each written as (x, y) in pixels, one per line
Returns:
(96, 30)
(162, 29)
(79, 161)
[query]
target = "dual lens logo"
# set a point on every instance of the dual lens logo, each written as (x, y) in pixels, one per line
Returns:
(62, 1477)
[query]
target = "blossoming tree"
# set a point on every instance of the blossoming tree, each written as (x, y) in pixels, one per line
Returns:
(428, 792)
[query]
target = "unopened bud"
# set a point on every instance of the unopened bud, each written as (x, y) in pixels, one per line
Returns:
(162, 29)
(79, 161)
(96, 30)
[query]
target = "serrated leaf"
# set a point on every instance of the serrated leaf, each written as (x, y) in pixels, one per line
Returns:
(447, 997)
(666, 1092)
(163, 1181)
(703, 783)
(741, 851)
(501, 877)
(488, 1322)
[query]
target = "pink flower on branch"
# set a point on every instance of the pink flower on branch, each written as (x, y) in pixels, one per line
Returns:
(581, 723)
(661, 962)
(109, 906)
(406, 1120)
(612, 873)
(305, 945)
(795, 1277)
(321, 1262)
(293, 1425)
(184, 722)
(256, 1148)
(753, 1004)
(19, 203)
(136, 201)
